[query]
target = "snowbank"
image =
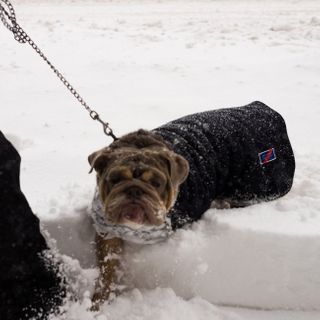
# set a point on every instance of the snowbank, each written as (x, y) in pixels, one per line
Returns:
(263, 256)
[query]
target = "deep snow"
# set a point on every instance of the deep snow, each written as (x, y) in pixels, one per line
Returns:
(140, 64)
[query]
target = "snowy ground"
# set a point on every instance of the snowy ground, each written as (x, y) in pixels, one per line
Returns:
(141, 64)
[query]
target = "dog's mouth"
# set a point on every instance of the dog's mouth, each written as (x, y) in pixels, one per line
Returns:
(133, 212)
(137, 212)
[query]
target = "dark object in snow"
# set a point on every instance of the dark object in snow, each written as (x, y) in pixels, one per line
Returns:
(242, 154)
(30, 286)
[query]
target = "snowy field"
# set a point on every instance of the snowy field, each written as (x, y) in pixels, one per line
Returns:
(140, 64)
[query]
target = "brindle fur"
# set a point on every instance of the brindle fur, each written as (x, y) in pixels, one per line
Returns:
(108, 252)
(148, 153)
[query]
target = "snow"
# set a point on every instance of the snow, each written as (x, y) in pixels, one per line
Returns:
(141, 64)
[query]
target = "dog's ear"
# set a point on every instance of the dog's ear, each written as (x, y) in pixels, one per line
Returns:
(178, 167)
(99, 160)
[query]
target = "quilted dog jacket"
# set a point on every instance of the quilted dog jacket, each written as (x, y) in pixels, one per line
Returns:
(241, 153)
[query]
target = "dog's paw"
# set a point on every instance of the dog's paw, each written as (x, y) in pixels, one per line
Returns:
(104, 293)
(231, 203)
(220, 204)
(96, 302)
(99, 298)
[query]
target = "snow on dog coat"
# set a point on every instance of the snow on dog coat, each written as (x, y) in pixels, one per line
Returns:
(239, 153)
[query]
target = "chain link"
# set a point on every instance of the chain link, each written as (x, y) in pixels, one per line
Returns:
(8, 18)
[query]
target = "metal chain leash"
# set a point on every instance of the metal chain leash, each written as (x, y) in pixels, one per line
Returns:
(8, 18)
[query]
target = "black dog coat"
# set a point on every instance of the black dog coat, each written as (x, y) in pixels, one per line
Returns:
(239, 153)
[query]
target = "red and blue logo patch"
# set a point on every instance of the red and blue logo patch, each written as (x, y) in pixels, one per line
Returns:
(267, 156)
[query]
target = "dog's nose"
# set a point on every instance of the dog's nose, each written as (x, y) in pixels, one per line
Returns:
(134, 192)
(137, 172)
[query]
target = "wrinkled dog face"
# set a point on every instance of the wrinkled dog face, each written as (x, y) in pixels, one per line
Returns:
(138, 179)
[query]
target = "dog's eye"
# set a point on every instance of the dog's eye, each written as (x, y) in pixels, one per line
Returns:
(118, 175)
(155, 183)
(114, 179)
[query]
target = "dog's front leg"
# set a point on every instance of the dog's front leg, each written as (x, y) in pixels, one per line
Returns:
(108, 252)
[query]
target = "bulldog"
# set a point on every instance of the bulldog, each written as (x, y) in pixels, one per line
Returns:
(150, 183)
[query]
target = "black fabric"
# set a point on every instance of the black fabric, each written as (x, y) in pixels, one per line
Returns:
(29, 284)
(222, 148)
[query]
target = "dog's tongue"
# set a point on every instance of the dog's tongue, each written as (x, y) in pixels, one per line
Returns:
(134, 213)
